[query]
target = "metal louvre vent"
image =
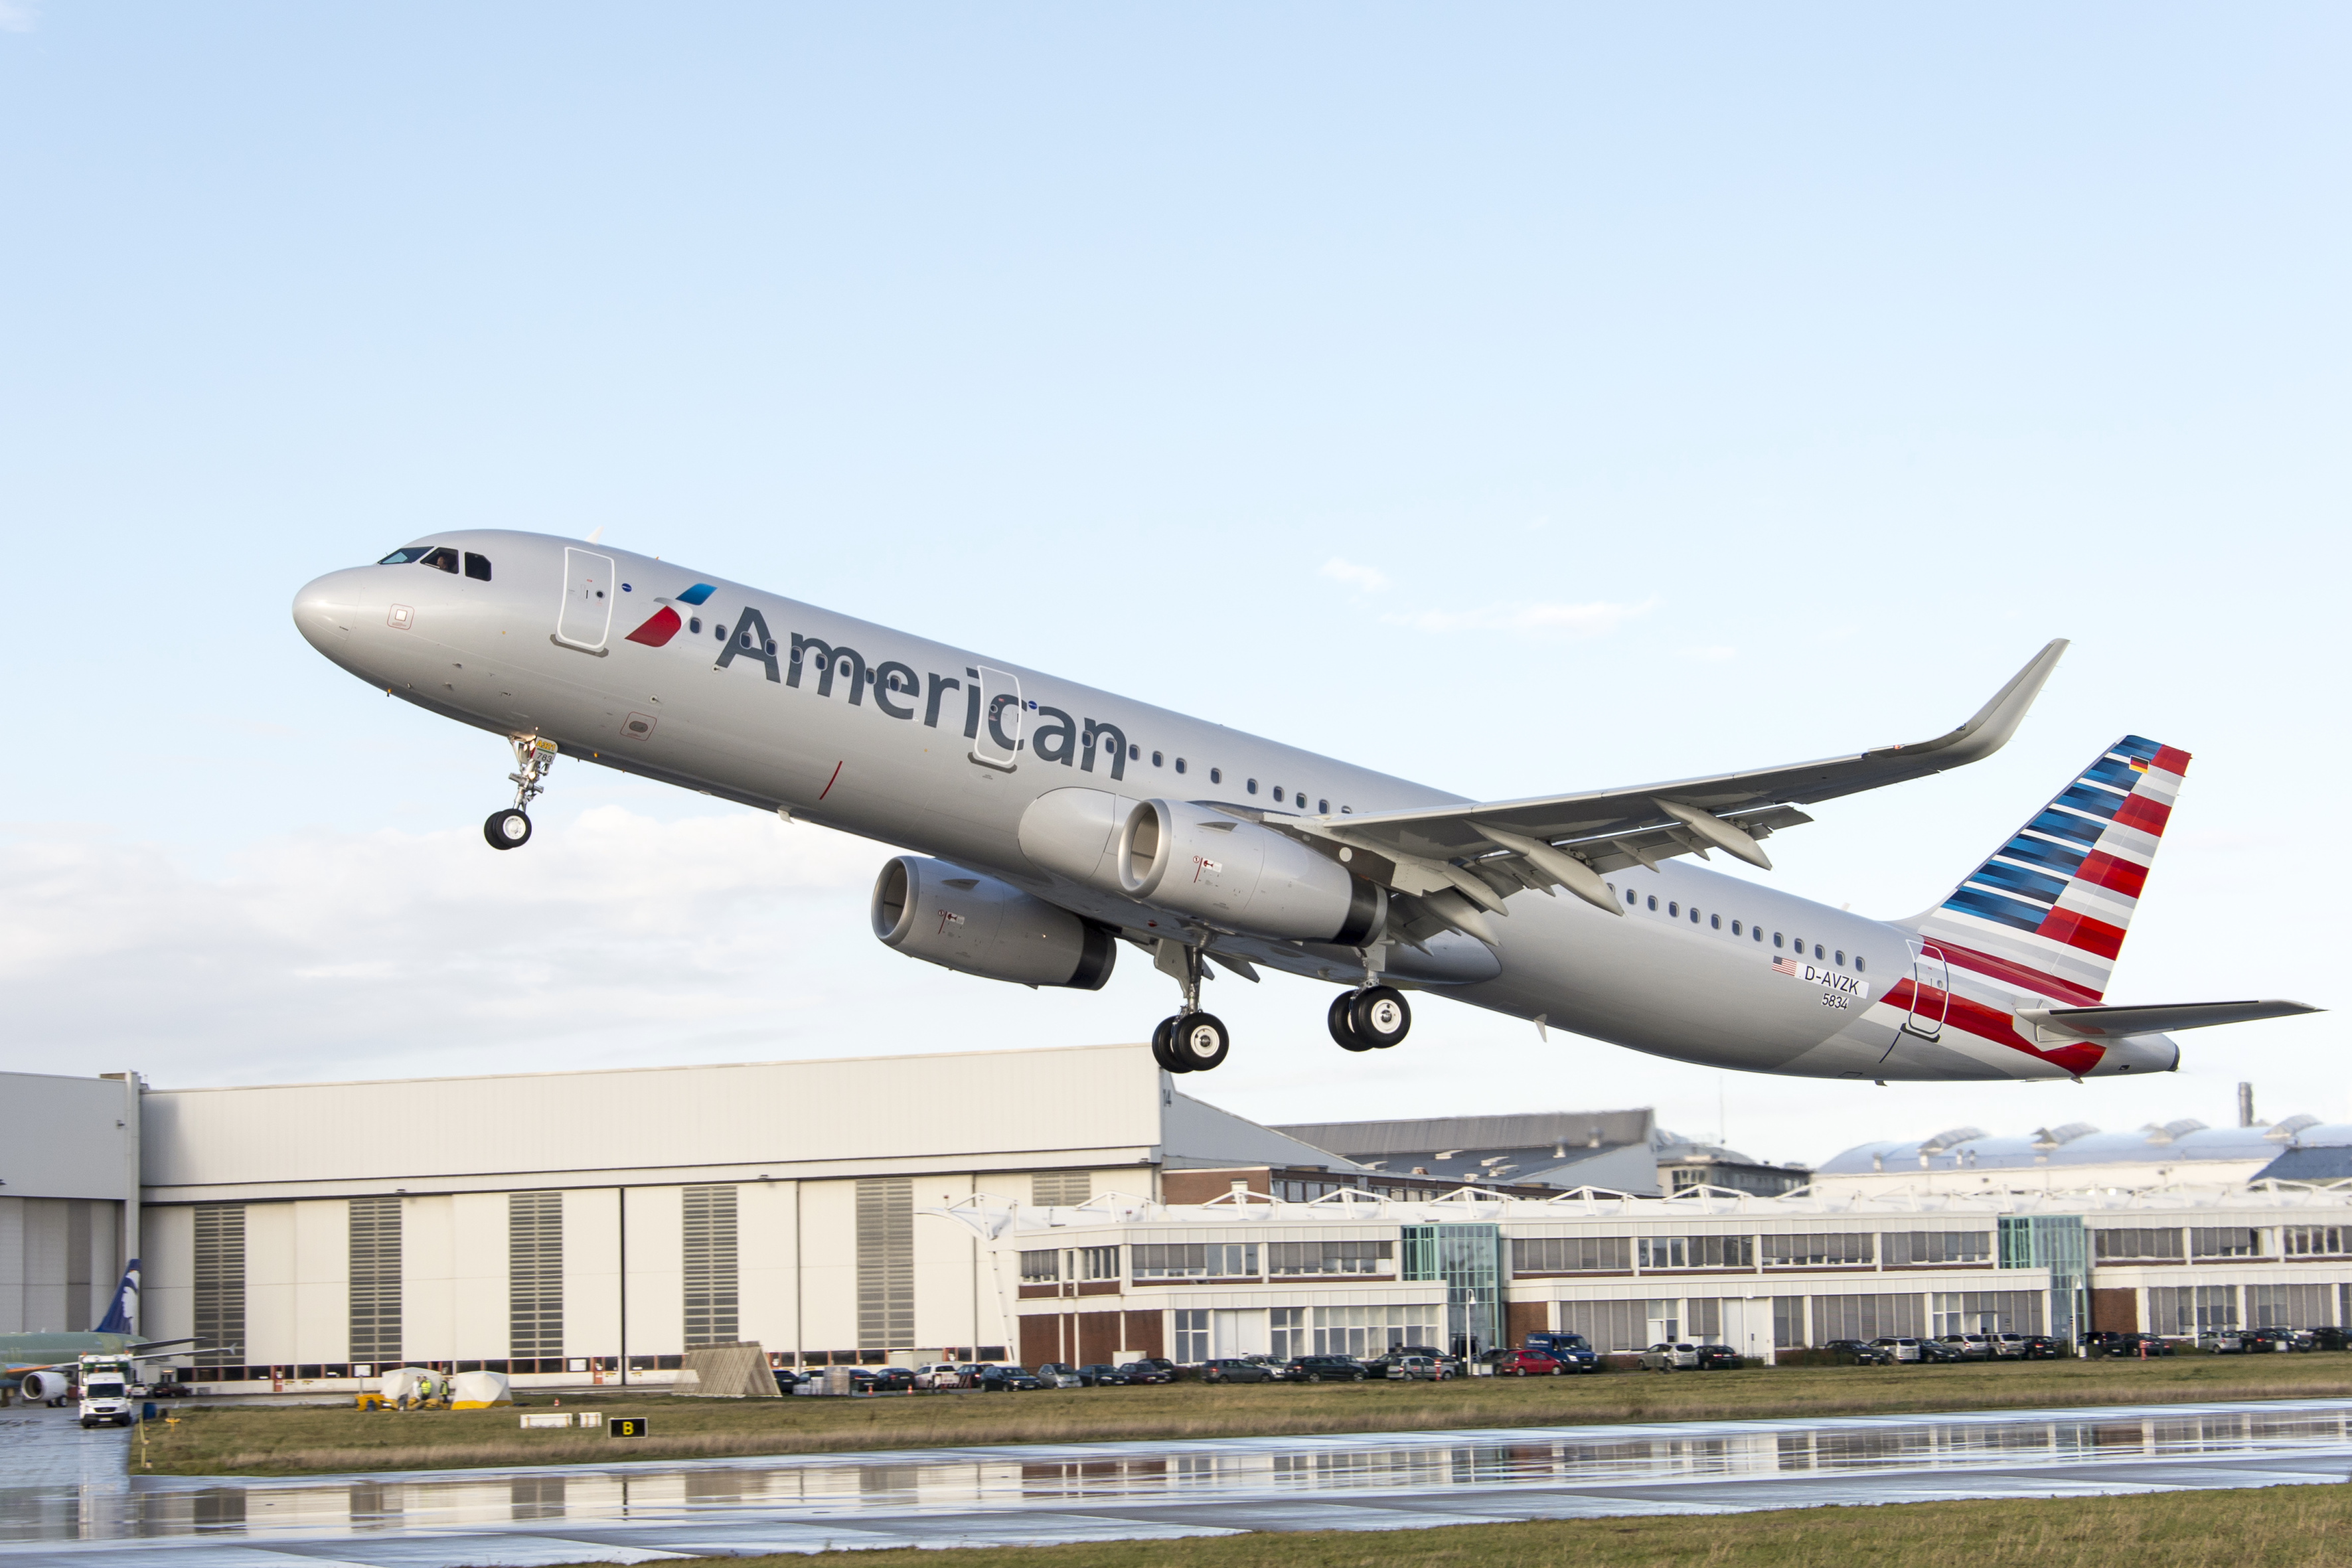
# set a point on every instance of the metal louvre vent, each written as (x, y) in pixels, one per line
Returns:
(1061, 1189)
(535, 1274)
(711, 1292)
(220, 1276)
(885, 1264)
(376, 1280)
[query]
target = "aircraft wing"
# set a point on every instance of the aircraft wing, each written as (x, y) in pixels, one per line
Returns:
(2115, 1022)
(1479, 853)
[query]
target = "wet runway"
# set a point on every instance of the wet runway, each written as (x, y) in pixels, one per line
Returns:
(65, 1512)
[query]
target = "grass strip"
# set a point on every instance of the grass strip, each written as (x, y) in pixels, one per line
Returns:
(312, 1440)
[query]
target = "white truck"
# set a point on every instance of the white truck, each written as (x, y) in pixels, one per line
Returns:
(108, 1387)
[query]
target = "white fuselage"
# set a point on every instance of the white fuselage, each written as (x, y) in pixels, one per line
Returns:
(898, 765)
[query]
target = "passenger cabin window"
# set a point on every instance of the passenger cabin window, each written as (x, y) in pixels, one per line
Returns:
(1841, 955)
(1817, 950)
(1736, 931)
(478, 567)
(442, 560)
(1631, 897)
(694, 624)
(1216, 775)
(1253, 786)
(1858, 964)
(1278, 792)
(1155, 759)
(1757, 932)
(1180, 764)
(1716, 922)
(1694, 914)
(1673, 910)
(1323, 807)
(1776, 939)
(1653, 900)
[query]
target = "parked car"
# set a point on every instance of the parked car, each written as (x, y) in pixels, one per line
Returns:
(2221, 1342)
(893, 1380)
(2008, 1347)
(2327, 1337)
(1719, 1358)
(1059, 1374)
(1573, 1351)
(2042, 1347)
(1148, 1371)
(1278, 1370)
(1522, 1363)
(1324, 1369)
(1236, 1370)
(787, 1379)
(938, 1374)
(1008, 1380)
(1972, 1347)
(1100, 1374)
(1417, 1369)
(1852, 1352)
(1893, 1349)
(2266, 1340)
(1665, 1356)
(1379, 1365)
(2130, 1344)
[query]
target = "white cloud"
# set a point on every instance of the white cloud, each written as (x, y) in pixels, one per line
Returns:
(1368, 579)
(1710, 655)
(1592, 620)
(18, 15)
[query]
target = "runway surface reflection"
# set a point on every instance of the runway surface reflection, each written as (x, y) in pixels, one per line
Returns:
(633, 1513)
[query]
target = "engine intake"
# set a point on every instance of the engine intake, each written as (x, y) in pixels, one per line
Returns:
(1245, 877)
(974, 924)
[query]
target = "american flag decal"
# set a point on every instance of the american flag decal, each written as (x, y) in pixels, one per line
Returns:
(1787, 966)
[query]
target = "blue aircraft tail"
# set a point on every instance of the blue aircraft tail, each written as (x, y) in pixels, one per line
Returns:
(125, 1306)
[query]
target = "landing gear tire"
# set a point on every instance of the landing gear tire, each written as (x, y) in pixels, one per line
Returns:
(1343, 1031)
(1163, 1047)
(1378, 1016)
(508, 829)
(1199, 1040)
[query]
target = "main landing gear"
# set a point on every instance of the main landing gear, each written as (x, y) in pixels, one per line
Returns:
(1371, 1019)
(511, 828)
(1192, 1041)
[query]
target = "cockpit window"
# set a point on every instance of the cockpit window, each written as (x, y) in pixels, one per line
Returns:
(405, 554)
(445, 558)
(478, 567)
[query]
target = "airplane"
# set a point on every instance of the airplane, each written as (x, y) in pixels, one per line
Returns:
(38, 1364)
(1050, 824)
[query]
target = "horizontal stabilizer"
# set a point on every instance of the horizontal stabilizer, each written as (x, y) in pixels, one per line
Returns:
(2115, 1022)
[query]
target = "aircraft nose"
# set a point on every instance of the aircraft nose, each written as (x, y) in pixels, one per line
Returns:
(325, 611)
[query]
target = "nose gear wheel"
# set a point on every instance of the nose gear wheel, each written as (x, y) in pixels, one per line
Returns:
(511, 828)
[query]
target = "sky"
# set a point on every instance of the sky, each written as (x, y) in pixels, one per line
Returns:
(1517, 399)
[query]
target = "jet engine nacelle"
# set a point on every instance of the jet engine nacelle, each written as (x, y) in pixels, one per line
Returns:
(1244, 878)
(42, 1386)
(962, 921)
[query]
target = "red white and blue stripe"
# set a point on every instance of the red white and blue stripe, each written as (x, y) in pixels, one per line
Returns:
(2047, 911)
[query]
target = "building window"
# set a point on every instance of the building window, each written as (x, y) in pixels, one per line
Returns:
(2108, 1245)
(1787, 1321)
(1041, 1267)
(1098, 1262)
(1609, 1325)
(1865, 1317)
(1937, 1246)
(220, 1276)
(1061, 1189)
(710, 1276)
(1696, 1251)
(1984, 1313)
(1662, 1320)
(2224, 1241)
(534, 1275)
(1825, 1251)
(1191, 1333)
(886, 1263)
(1287, 1332)
(375, 1281)
(1371, 1330)
(1196, 1260)
(2287, 1306)
(1571, 1254)
(1295, 1257)
(2308, 1241)
(2187, 1311)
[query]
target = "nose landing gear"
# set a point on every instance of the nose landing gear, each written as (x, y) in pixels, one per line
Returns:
(511, 828)
(1192, 1041)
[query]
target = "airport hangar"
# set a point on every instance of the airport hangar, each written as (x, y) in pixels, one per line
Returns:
(1071, 1204)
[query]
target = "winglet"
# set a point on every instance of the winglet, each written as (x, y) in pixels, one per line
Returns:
(1990, 730)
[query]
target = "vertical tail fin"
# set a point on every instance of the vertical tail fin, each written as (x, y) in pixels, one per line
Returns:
(2049, 909)
(122, 1314)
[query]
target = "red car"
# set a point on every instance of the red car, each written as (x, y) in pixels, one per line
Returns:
(1524, 1363)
